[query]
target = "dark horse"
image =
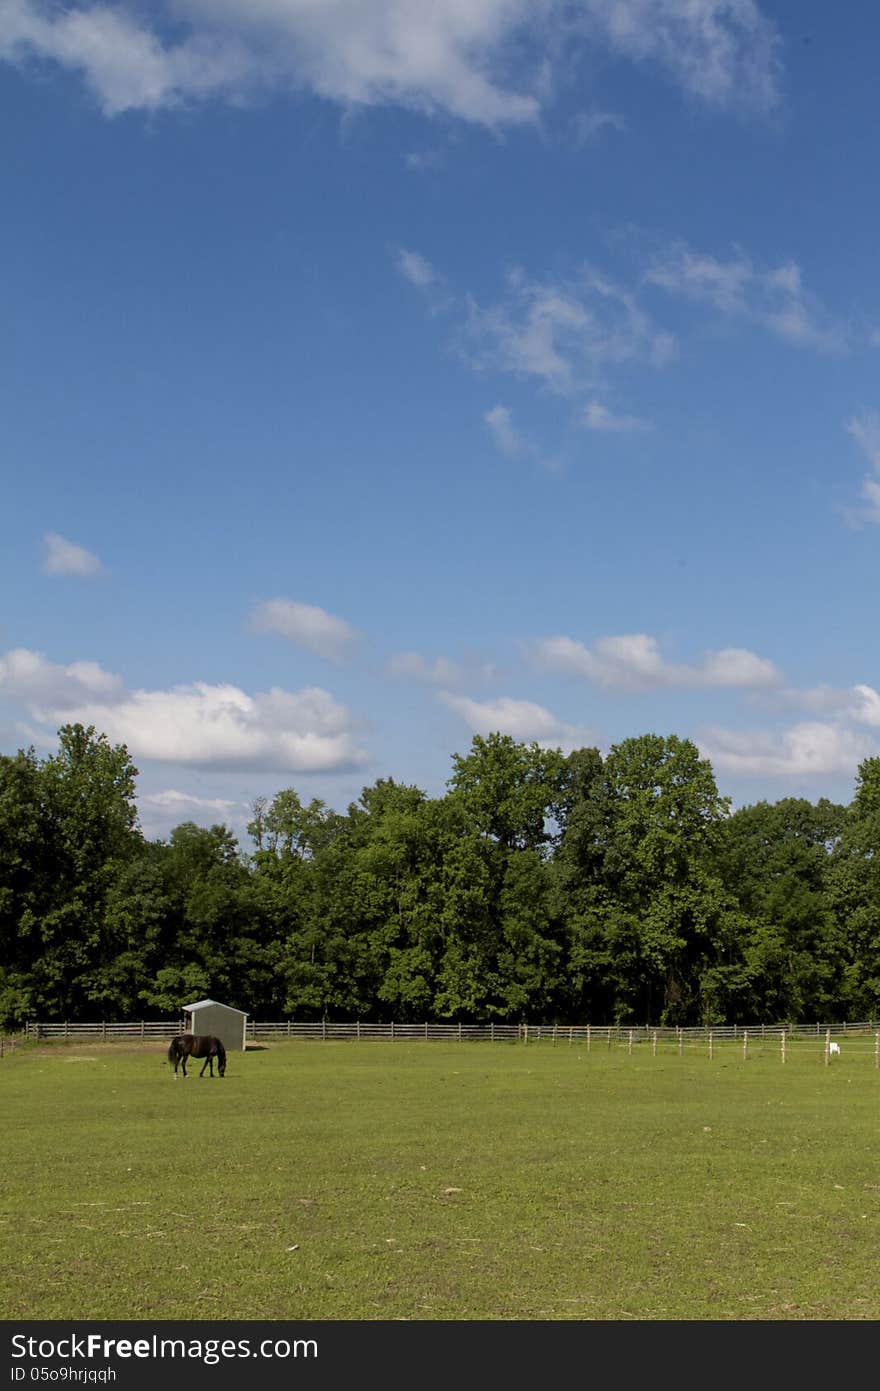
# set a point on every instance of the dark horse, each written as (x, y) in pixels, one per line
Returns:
(197, 1046)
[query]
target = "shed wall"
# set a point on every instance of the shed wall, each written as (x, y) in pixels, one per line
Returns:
(225, 1023)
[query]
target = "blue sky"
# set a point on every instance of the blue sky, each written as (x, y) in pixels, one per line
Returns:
(378, 375)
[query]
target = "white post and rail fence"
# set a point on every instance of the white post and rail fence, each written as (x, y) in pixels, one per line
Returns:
(828, 1041)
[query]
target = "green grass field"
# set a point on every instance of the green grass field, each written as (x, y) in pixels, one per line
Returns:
(427, 1181)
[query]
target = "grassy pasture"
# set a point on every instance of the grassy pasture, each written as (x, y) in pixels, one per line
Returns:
(425, 1181)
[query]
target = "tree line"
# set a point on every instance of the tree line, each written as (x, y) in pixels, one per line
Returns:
(540, 886)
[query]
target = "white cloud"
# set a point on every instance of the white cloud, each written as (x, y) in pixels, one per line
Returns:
(866, 706)
(807, 749)
(633, 662)
(599, 417)
(126, 66)
(412, 666)
(196, 725)
(723, 51)
(415, 268)
(521, 719)
(859, 704)
(30, 678)
(589, 125)
(774, 299)
(424, 161)
(65, 557)
(445, 57)
(160, 812)
(180, 803)
(567, 334)
(306, 625)
(865, 430)
(507, 439)
(486, 61)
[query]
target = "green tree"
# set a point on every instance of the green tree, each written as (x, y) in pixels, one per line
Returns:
(854, 896)
(81, 807)
(26, 882)
(220, 933)
(775, 859)
(512, 791)
(645, 917)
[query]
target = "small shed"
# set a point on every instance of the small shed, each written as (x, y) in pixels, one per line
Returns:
(225, 1022)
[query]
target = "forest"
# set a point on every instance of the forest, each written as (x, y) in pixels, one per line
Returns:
(541, 887)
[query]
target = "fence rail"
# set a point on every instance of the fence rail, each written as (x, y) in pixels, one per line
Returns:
(163, 1028)
(588, 1034)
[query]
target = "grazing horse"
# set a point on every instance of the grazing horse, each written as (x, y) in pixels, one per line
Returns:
(197, 1046)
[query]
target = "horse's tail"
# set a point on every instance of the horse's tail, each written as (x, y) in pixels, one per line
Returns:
(172, 1051)
(221, 1054)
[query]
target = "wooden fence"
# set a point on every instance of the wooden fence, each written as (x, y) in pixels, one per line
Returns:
(585, 1035)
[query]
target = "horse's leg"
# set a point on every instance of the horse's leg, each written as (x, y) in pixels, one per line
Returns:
(204, 1065)
(183, 1063)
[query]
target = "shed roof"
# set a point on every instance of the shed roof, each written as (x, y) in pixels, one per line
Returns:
(203, 1004)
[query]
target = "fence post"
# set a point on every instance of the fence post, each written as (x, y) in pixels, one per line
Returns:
(654, 1045)
(745, 1044)
(782, 1037)
(589, 1038)
(827, 1046)
(323, 1030)
(66, 1027)
(680, 1040)
(492, 1032)
(877, 1048)
(710, 1045)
